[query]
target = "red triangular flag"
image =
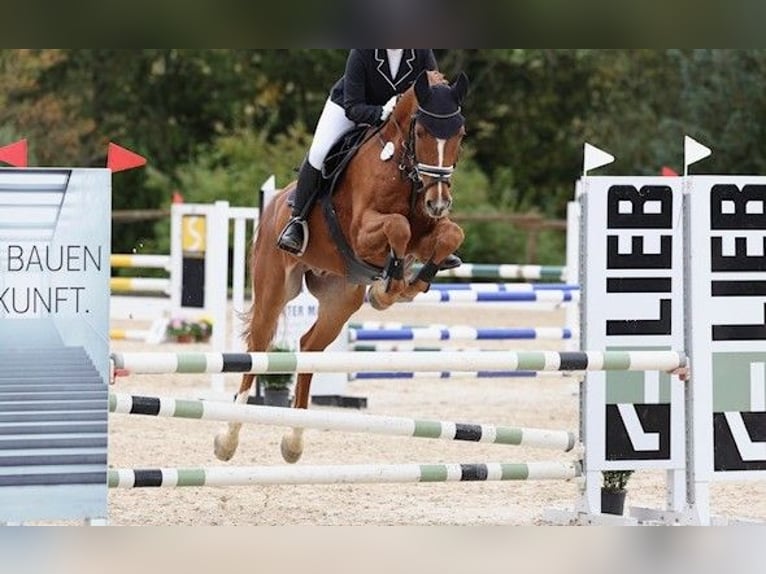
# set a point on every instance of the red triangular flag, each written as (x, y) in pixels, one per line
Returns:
(15, 154)
(668, 172)
(119, 159)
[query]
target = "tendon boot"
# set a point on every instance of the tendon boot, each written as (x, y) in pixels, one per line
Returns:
(295, 236)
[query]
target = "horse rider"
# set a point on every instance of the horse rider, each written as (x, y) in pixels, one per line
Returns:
(365, 94)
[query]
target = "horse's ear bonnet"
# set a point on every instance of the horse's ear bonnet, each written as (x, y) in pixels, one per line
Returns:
(439, 109)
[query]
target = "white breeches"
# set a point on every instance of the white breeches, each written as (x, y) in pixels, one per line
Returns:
(331, 125)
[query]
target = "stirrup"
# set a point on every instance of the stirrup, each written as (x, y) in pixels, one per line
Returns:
(287, 242)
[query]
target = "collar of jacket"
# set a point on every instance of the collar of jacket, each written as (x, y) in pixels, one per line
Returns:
(405, 67)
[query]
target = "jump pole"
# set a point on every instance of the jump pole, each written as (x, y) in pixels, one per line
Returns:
(350, 361)
(454, 375)
(349, 422)
(464, 296)
(341, 474)
(141, 260)
(504, 271)
(505, 287)
(461, 334)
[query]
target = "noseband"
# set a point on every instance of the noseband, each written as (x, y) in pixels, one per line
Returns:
(414, 170)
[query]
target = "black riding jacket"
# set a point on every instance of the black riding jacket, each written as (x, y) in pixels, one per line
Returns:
(367, 83)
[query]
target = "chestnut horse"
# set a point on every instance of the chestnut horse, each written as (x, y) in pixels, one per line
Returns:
(389, 208)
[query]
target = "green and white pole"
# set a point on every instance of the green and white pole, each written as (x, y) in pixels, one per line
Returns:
(341, 474)
(350, 362)
(342, 421)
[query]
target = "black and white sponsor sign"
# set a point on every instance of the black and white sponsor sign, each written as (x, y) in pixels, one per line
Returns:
(631, 271)
(727, 284)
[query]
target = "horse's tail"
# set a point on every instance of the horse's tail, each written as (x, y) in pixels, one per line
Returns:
(267, 215)
(246, 315)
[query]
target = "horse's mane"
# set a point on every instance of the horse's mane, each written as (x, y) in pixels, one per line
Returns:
(407, 103)
(436, 77)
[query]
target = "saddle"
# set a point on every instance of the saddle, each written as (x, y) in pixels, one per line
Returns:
(339, 156)
(357, 271)
(342, 151)
(337, 159)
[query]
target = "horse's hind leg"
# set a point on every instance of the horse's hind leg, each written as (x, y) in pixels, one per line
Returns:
(272, 291)
(338, 300)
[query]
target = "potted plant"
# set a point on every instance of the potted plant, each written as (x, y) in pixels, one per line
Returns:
(180, 330)
(202, 330)
(276, 386)
(613, 491)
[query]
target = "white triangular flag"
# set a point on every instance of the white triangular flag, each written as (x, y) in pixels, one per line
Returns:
(268, 191)
(270, 184)
(693, 152)
(594, 157)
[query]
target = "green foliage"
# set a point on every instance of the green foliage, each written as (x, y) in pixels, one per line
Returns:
(470, 188)
(232, 168)
(725, 106)
(214, 123)
(497, 242)
(502, 242)
(235, 166)
(491, 243)
(551, 248)
(616, 480)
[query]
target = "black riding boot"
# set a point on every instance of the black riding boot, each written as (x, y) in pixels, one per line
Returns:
(295, 235)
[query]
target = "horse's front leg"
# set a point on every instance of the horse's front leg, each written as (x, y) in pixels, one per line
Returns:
(445, 239)
(385, 232)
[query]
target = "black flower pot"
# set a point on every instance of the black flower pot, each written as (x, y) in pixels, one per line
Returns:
(612, 502)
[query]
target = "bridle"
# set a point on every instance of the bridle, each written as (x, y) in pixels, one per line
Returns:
(414, 171)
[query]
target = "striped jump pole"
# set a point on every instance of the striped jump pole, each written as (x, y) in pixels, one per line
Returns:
(139, 285)
(350, 361)
(128, 334)
(505, 271)
(348, 422)
(341, 474)
(460, 333)
(140, 261)
(393, 346)
(436, 296)
(505, 287)
(454, 375)
(396, 347)
(393, 325)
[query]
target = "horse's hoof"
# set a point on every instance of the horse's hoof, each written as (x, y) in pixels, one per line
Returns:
(375, 305)
(225, 446)
(374, 301)
(289, 454)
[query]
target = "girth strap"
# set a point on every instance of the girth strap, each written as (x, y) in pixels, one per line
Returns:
(357, 271)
